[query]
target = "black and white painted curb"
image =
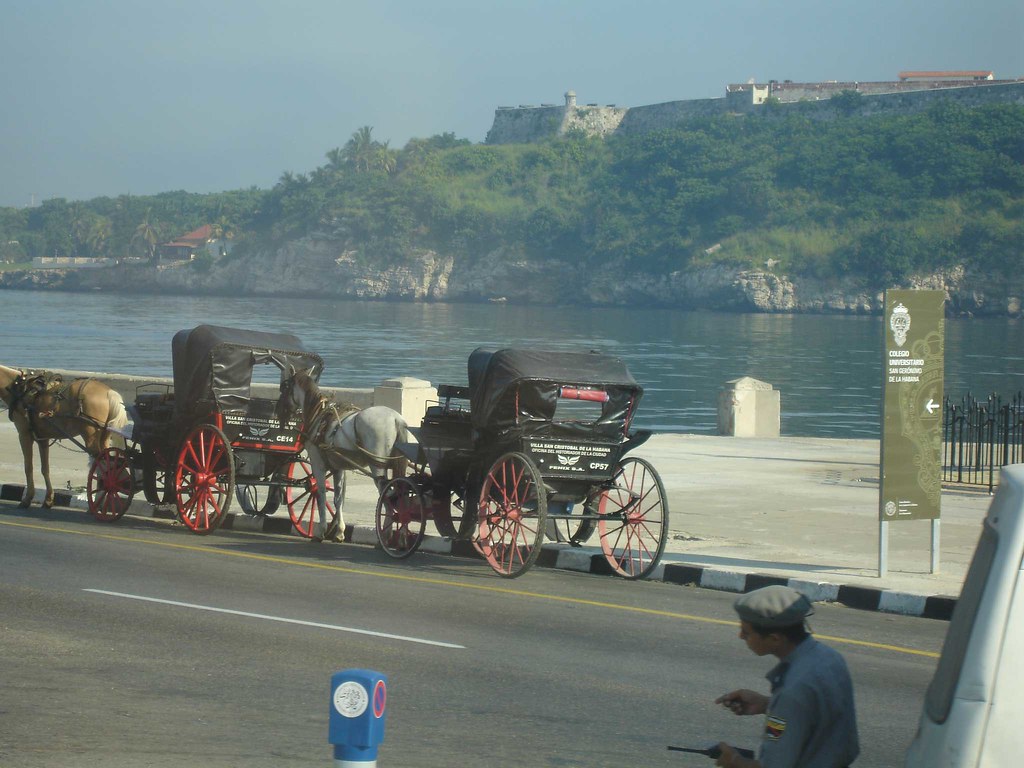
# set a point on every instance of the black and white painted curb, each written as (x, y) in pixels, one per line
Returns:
(583, 560)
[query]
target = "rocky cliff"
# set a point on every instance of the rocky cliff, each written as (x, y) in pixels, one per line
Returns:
(324, 268)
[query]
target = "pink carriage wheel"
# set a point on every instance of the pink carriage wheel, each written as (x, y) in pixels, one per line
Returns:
(511, 515)
(634, 519)
(111, 486)
(300, 496)
(401, 518)
(205, 479)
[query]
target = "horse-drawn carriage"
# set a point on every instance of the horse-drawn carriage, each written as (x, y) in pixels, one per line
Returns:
(534, 446)
(212, 437)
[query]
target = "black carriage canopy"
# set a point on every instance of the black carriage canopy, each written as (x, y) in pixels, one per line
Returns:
(520, 387)
(213, 362)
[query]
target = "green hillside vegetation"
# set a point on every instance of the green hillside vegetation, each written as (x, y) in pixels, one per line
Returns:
(881, 197)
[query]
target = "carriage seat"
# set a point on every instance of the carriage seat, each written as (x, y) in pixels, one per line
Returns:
(446, 410)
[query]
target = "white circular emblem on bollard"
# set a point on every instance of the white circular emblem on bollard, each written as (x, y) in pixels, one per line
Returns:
(350, 699)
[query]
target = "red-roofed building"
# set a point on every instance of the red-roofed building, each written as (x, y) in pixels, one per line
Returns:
(187, 247)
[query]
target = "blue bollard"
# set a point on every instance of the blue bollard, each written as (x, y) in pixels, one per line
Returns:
(358, 711)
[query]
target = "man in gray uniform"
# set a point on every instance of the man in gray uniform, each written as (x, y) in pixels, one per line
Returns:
(810, 720)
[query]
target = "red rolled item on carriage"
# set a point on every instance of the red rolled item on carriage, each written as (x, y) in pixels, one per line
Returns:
(575, 393)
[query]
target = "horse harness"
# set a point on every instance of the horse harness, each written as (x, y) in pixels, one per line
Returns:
(29, 387)
(321, 424)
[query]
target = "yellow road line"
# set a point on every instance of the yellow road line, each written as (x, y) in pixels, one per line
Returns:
(444, 583)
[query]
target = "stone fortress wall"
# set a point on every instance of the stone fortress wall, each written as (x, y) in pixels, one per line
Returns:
(526, 123)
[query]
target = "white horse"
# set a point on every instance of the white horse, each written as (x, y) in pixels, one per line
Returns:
(342, 437)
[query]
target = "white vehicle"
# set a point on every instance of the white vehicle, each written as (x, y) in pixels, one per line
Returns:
(972, 710)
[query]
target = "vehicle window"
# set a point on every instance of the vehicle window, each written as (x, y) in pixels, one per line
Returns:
(939, 698)
(266, 373)
(579, 404)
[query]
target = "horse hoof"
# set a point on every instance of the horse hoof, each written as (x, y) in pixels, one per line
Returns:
(47, 505)
(25, 503)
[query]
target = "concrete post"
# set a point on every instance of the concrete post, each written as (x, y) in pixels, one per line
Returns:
(407, 395)
(749, 408)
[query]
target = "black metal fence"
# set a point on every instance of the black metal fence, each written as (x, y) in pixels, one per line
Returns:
(979, 437)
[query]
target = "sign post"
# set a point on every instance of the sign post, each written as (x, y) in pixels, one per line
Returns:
(357, 716)
(911, 445)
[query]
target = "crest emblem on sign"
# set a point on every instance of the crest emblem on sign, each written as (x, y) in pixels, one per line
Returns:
(899, 322)
(569, 461)
(259, 431)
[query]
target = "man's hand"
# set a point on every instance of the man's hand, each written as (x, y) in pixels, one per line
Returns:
(730, 758)
(744, 702)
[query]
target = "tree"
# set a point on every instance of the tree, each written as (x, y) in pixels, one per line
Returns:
(336, 160)
(359, 150)
(384, 158)
(145, 235)
(847, 101)
(99, 236)
(81, 223)
(222, 229)
(362, 153)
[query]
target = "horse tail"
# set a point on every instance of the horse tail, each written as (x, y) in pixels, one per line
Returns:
(399, 462)
(117, 414)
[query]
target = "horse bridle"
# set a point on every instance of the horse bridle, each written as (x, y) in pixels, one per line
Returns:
(19, 391)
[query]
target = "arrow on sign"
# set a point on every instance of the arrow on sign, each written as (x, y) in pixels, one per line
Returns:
(930, 406)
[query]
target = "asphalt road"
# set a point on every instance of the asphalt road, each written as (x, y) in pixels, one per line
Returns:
(552, 669)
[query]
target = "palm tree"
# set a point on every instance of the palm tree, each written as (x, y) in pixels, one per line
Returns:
(81, 223)
(359, 151)
(99, 236)
(146, 234)
(336, 159)
(222, 229)
(384, 158)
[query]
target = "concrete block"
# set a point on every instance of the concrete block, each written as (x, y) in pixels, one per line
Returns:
(901, 602)
(749, 408)
(816, 591)
(407, 395)
(574, 560)
(364, 534)
(727, 581)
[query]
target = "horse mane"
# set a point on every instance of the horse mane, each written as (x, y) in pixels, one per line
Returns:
(309, 388)
(315, 404)
(311, 397)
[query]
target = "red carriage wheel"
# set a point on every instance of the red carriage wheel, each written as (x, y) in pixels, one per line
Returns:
(511, 515)
(300, 496)
(634, 519)
(205, 479)
(111, 486)
(400, 521)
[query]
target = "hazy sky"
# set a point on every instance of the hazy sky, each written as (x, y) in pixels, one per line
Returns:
(109, 97)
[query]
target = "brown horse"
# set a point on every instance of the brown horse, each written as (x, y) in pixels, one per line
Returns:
(45, 409)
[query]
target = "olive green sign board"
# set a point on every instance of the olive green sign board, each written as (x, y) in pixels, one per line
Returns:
(911, 450)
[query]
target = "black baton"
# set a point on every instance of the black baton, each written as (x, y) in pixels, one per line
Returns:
(713, 751)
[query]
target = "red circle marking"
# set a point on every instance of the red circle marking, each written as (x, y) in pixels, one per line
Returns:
(380, 697)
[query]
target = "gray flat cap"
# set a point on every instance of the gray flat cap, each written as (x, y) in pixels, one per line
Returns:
(774, 606)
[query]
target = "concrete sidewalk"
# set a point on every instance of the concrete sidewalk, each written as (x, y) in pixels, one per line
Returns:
(743, 512)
